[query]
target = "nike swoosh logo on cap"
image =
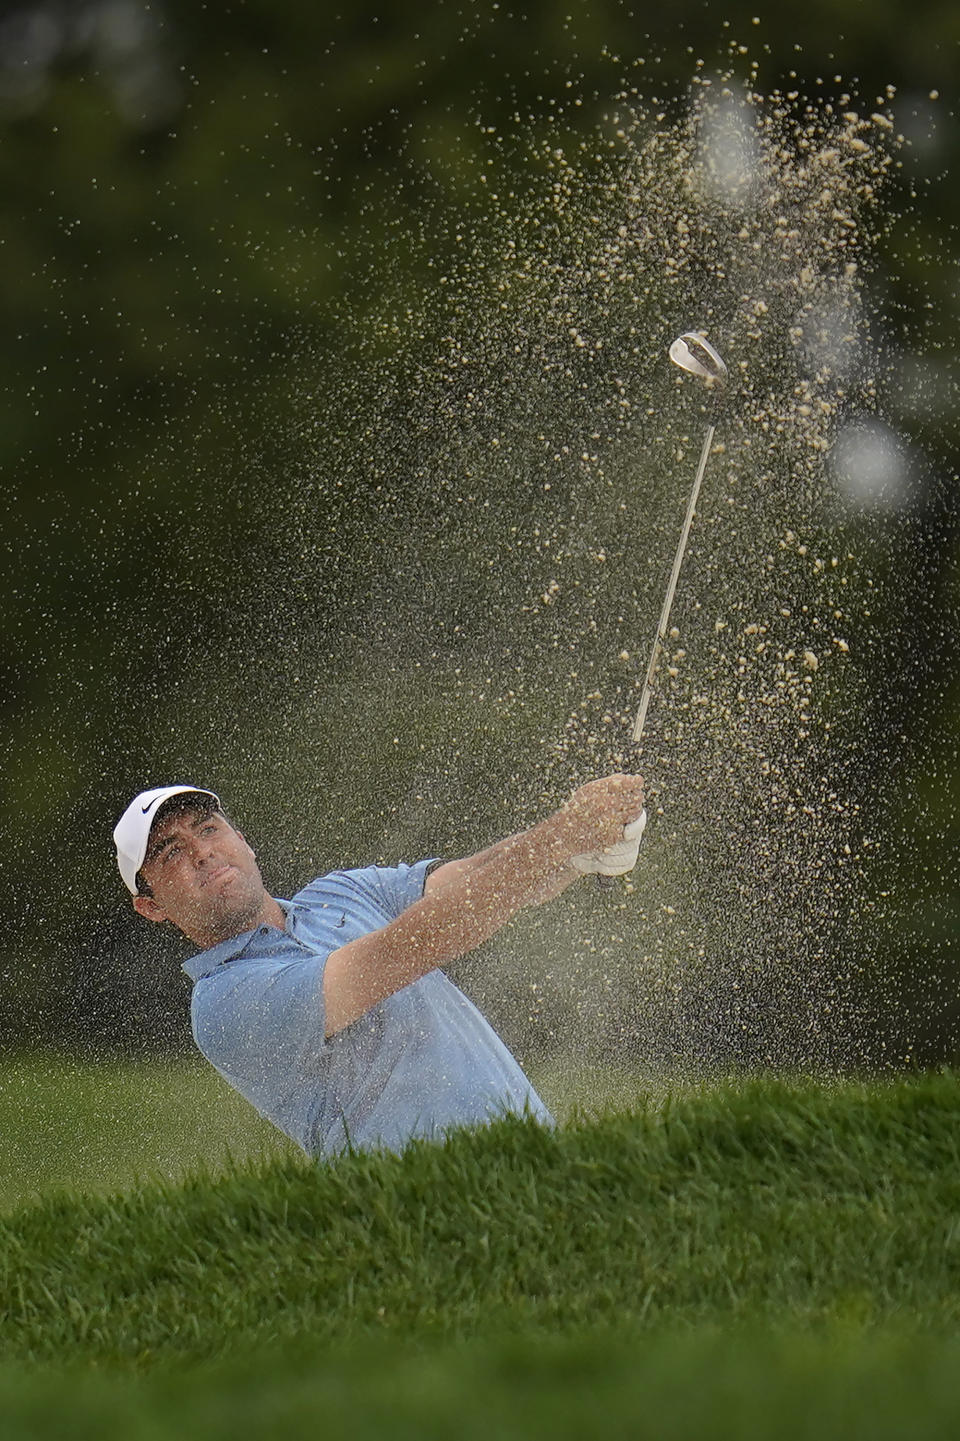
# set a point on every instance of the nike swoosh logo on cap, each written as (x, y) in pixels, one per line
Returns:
(150, 807)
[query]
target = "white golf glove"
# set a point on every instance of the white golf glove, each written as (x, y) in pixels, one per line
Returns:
(617, 859)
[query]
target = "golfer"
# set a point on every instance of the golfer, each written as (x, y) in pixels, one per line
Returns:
(329, 1012)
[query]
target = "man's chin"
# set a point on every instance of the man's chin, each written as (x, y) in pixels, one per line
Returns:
(228, 914)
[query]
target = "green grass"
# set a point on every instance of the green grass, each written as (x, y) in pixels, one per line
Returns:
(744, 1205)
(766, 1259)
(94, 1127)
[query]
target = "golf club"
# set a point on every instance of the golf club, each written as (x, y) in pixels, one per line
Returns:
(693, 353)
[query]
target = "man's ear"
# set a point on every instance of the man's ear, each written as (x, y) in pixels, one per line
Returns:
(149, 908)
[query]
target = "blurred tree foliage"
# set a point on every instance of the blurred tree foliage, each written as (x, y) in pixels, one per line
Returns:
(199, 203)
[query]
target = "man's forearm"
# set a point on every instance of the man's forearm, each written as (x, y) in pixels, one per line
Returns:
(447, 922)
(542, 886)
(554, 886)
(467, 902)
(513, 873)
(472, 905)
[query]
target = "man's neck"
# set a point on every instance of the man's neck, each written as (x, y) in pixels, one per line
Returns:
(273, 914)
(270, 913)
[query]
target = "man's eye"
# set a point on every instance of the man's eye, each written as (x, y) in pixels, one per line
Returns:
(170, 851)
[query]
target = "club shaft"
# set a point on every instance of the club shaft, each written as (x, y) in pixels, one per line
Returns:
(661, 636)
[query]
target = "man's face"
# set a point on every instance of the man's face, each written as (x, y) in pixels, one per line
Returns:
(203, 875)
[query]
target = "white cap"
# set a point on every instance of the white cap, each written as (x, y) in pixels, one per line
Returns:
(132, 831)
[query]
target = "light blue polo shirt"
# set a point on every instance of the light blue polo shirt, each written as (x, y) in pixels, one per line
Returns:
(419, 1062)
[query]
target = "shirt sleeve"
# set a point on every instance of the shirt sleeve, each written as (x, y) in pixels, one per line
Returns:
(251, 1019)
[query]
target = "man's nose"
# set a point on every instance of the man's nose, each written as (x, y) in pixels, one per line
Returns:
(202, 849)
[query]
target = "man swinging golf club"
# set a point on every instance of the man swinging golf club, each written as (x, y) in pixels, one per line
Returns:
(329, 1012)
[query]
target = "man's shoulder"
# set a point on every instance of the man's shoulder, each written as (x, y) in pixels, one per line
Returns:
(325, 881)
(324, 890)
(366, 880)
(369, 896)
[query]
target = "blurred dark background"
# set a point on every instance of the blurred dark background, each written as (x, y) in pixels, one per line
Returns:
(199, 205)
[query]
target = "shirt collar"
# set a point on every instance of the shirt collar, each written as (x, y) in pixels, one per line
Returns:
(206, 961)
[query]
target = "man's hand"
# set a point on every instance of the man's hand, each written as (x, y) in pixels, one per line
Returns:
(595, 815)
(615, 860)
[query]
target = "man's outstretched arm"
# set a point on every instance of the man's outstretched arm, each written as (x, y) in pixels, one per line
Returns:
(469, 901)
(553, 884)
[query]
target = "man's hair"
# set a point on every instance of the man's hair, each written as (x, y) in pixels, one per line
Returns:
(203, 805)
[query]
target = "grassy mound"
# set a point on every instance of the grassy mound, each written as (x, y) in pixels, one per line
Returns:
(765, 1205)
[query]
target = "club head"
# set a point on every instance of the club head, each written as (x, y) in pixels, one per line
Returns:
(694, 354)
